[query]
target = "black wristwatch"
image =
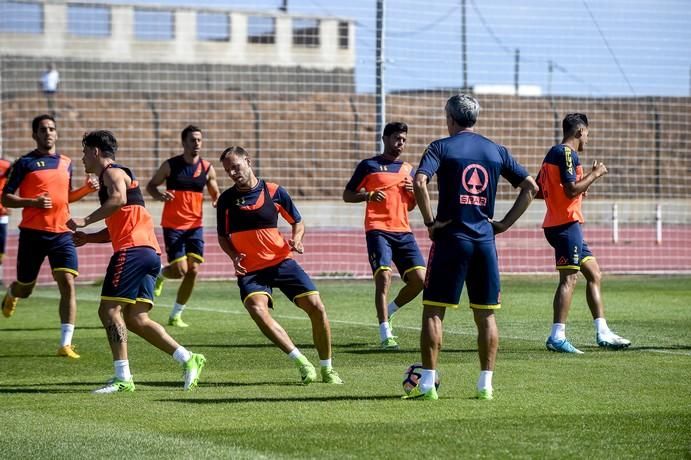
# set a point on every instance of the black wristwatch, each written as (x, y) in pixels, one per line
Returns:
(429, 224)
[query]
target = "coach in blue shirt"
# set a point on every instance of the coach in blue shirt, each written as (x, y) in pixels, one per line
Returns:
(468, 167)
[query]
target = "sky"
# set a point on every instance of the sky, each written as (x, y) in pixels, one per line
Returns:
(579, 47)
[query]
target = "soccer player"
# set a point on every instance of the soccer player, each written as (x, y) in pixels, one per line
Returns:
(468, 167)
(127, 293)
(4, 216)
(385, 183)
(248, 233)
(563, 186)
(40, 183)
(185, 176)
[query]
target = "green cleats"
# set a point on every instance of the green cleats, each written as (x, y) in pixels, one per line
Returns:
(158, 287)
(176, 321)
(192, 370)
(430, 395)
(308, 373)
(486, 394)
(390, 319)
(329, 375)
(390, 344)
(115, 385)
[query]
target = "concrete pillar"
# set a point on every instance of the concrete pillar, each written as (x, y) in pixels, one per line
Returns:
(185, 35)
(328, 42)
(121, 31)
(54, 28)
(283, 49)
(238, 38)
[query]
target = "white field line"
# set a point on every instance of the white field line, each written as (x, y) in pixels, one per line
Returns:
(411, 328)
(55, 296)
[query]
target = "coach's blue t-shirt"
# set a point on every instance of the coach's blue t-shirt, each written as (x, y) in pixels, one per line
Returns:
(468, 167)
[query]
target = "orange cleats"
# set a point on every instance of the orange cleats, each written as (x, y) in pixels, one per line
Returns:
(68, 352)
(9, 305)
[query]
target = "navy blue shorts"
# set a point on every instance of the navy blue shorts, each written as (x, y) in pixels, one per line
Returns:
(3, 239)
(399, 247)
(570, 250)
(184, 243)
(453, 261)
(288, 276)
(35, 245)
(131, 275)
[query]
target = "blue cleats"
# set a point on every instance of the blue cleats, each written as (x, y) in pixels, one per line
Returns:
(561, 346)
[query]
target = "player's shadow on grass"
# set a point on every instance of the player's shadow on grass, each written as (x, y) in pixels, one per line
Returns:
(175, 384)
(379, 351)
(49, 388)
(669, 347)
(38, 391)
(50, 356)
(351, 345)
(242, 345)
(282, 399)
(38, 329)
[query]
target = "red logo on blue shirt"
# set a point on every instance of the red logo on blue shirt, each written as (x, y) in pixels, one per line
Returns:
(474, 180)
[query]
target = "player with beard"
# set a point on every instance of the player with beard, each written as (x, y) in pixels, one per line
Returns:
(185, 176)
(385, 183)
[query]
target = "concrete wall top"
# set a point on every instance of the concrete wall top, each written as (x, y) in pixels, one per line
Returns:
(121, 44)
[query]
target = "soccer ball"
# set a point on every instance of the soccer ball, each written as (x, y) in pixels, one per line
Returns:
(412, 375)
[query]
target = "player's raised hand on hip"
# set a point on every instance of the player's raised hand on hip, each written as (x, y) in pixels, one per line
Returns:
(498, 226)
(432, 229)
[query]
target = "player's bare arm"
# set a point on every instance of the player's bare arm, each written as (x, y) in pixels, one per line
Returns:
(82, 238)
(410, 190)
(90, 185)
(12, 200)
(296, 241)
(526, 195)
(573, 189)
(158, 178)
(212, 186)
(358, 197)
(425, 205)
(116, 181)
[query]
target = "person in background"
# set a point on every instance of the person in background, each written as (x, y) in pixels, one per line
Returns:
(385, 183)
(186, 176)
(563, 186)
(5, 165)
(49, 83)
(40, 183)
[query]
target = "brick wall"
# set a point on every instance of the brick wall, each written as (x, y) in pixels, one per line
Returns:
(310, 142)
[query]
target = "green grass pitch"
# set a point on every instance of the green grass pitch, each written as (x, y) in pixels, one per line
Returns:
(628, 404)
